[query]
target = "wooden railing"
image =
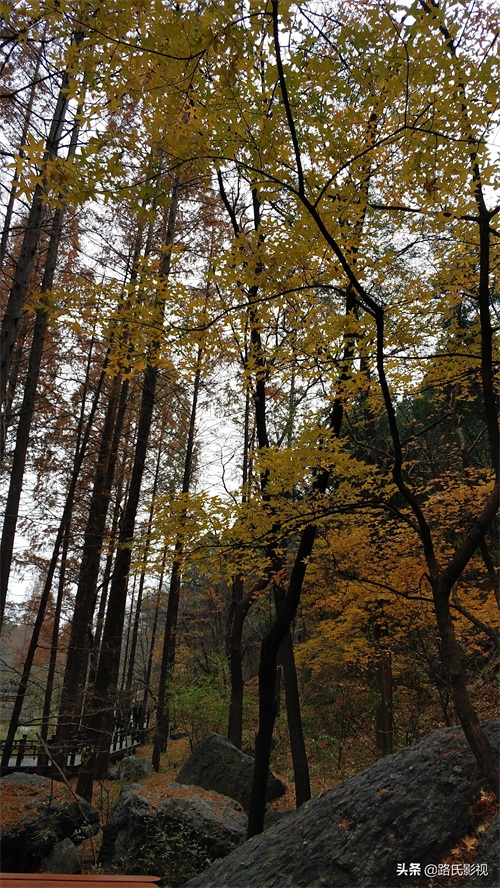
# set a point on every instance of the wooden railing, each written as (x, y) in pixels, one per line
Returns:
(27, 753)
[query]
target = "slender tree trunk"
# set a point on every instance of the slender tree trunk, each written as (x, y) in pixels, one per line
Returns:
(135, 630)
(383, 718)
(24, 267)
(149, 669)
(15, 366)
(298, 750)
(106, 577)
(240, 607)
(294, 718)
(80, 636)
(169, 639)
(28, 405)
(82, 440)
(239, 610)
(100, 722)
(25, 419)
(282, 624)
(54, 650)
(267, 676)
(7, 225)
(453, 664)
(127, 638)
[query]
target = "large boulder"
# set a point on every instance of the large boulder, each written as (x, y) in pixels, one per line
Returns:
(63, 858)
(407, 808)
(170, 830)
(35, 814)
(134, 768)
(217, 765)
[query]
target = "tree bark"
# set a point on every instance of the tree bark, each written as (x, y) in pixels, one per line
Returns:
(100, 722)
(135, 629)
(24, 134)
(85, 600)
(28, 405)
(54, 650)
(24, 267)
(25, 419)
(82, 443)
(294, 718)
(169, 639)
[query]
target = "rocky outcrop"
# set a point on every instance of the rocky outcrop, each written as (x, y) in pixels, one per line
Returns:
(134, 768)
(35, 814)
(217, 765)
(173, 831)
(408, 808)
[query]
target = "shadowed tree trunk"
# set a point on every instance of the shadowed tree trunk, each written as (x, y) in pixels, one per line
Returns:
(24, 266)
(240, 605)
(169, 639)
(54, 650)
(149, 668)
(24, 134)
(100, 721)
(137, 616)
(44, 598)
(28, 404)
(85, 600)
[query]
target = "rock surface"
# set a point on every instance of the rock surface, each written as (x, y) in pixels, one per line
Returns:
(63, 858)
(174, 832)
(488, 852)
(217, 765)
(35, 814)
(133, 768)
(410, 807)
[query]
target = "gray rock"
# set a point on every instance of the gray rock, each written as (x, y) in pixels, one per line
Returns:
(174, 833)
(134, 768)
(217, 765)
(36, 814)
(488, 852)
(63, 858)
(410, 807)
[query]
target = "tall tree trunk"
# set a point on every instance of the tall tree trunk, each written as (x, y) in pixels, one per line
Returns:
(239, 610)
(28, 405)
(15, 367)
(82, 443)
(135, 630)
(294, 719)
(169, 639)
(24, 267)
(286, 613)
(25, 420)
(240, 606)
(24, 134)
(453, 663)
(298, 750)
(85, 600)
(127, 638)
(106, 577)
(149, 669)
(54, 650)
(100, 722)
